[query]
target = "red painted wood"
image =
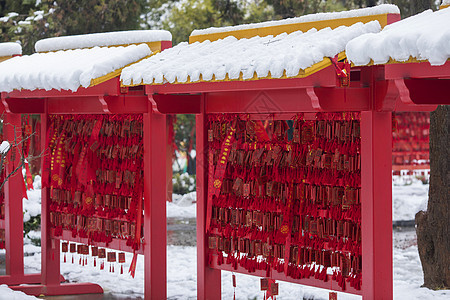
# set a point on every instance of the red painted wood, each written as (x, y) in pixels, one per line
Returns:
(289, 100)
(208, 279)
(177, 104)
(13, 200)
(60, 289)
(23, 279)
(155, 226)
(376, 204)
(50, 248)
(417, 70)
(116, 244)
(324, 78)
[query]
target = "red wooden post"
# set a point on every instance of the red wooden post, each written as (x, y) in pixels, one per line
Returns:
(155, 226)
(49, 247)
(376, 204)
(169, 155)
(13, 200)
(208, 279)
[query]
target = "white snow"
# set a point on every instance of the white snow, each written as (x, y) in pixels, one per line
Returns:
(409, 196)
(369, 11)
(7, 294)
(445, 2)
(10, 49)
(232, 58)
(66, 70)
(4, 147)
(102, 39)
(182, 271)
(425, 36)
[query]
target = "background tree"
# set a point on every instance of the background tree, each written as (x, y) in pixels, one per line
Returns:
(31, 22)
(433, 226)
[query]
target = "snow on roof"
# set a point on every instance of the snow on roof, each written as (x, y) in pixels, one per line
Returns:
(425, 36)
(66, 70)
(102, 39)
(285, 54)
(445, 2)
(10, 49)
(369, 11)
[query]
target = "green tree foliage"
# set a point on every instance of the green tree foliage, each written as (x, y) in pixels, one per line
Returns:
(47, 18)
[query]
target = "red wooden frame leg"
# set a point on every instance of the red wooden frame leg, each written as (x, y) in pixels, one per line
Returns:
(376, 198)
(208, 279)
(13, 200)
(14, 214)
(155, 224)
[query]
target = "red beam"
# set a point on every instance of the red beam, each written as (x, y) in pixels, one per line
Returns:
(116, 244)
(417, 70)
(323, 78)
(289, 100)
(94, 105)
(177, 104)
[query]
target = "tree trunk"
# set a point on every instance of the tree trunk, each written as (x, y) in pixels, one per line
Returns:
(432, 226)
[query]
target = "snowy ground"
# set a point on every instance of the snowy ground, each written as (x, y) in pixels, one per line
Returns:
(409, 196)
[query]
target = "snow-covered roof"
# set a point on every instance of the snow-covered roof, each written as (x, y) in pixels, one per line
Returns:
(10, 49)
(242, 59)
(102, 39)
(67, 70)
(425, 36)
(369, 11)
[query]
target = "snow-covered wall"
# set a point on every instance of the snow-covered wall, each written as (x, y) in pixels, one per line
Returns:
(102, 39)
(369, 11)
(230, 57)
(425, 36)
(10, 49)
(66, 70)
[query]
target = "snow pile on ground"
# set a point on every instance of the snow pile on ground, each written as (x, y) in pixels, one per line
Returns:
(66, 70)
(102, 39)
(10, 49)
(369, 11)
(7, 294)
(445, 2)
(409, 196)
(182, 206)
(425, 36)
(182, 274)
(274, 56)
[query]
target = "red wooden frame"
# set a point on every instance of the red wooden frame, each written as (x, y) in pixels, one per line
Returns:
(374, 92)
(108, 97)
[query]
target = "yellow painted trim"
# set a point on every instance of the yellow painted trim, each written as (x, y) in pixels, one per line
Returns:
(3, 58)
(444, 6)
(326, 62)
(116, 73)
(154, 46)
(393, 61)
(289, 28)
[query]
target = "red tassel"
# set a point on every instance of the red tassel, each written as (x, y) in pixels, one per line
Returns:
(95, 262)
(64, 257)
(102, 266)
(109, 268)
(79, 262)
(72, 259)
(121, 269)
(113, 268)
